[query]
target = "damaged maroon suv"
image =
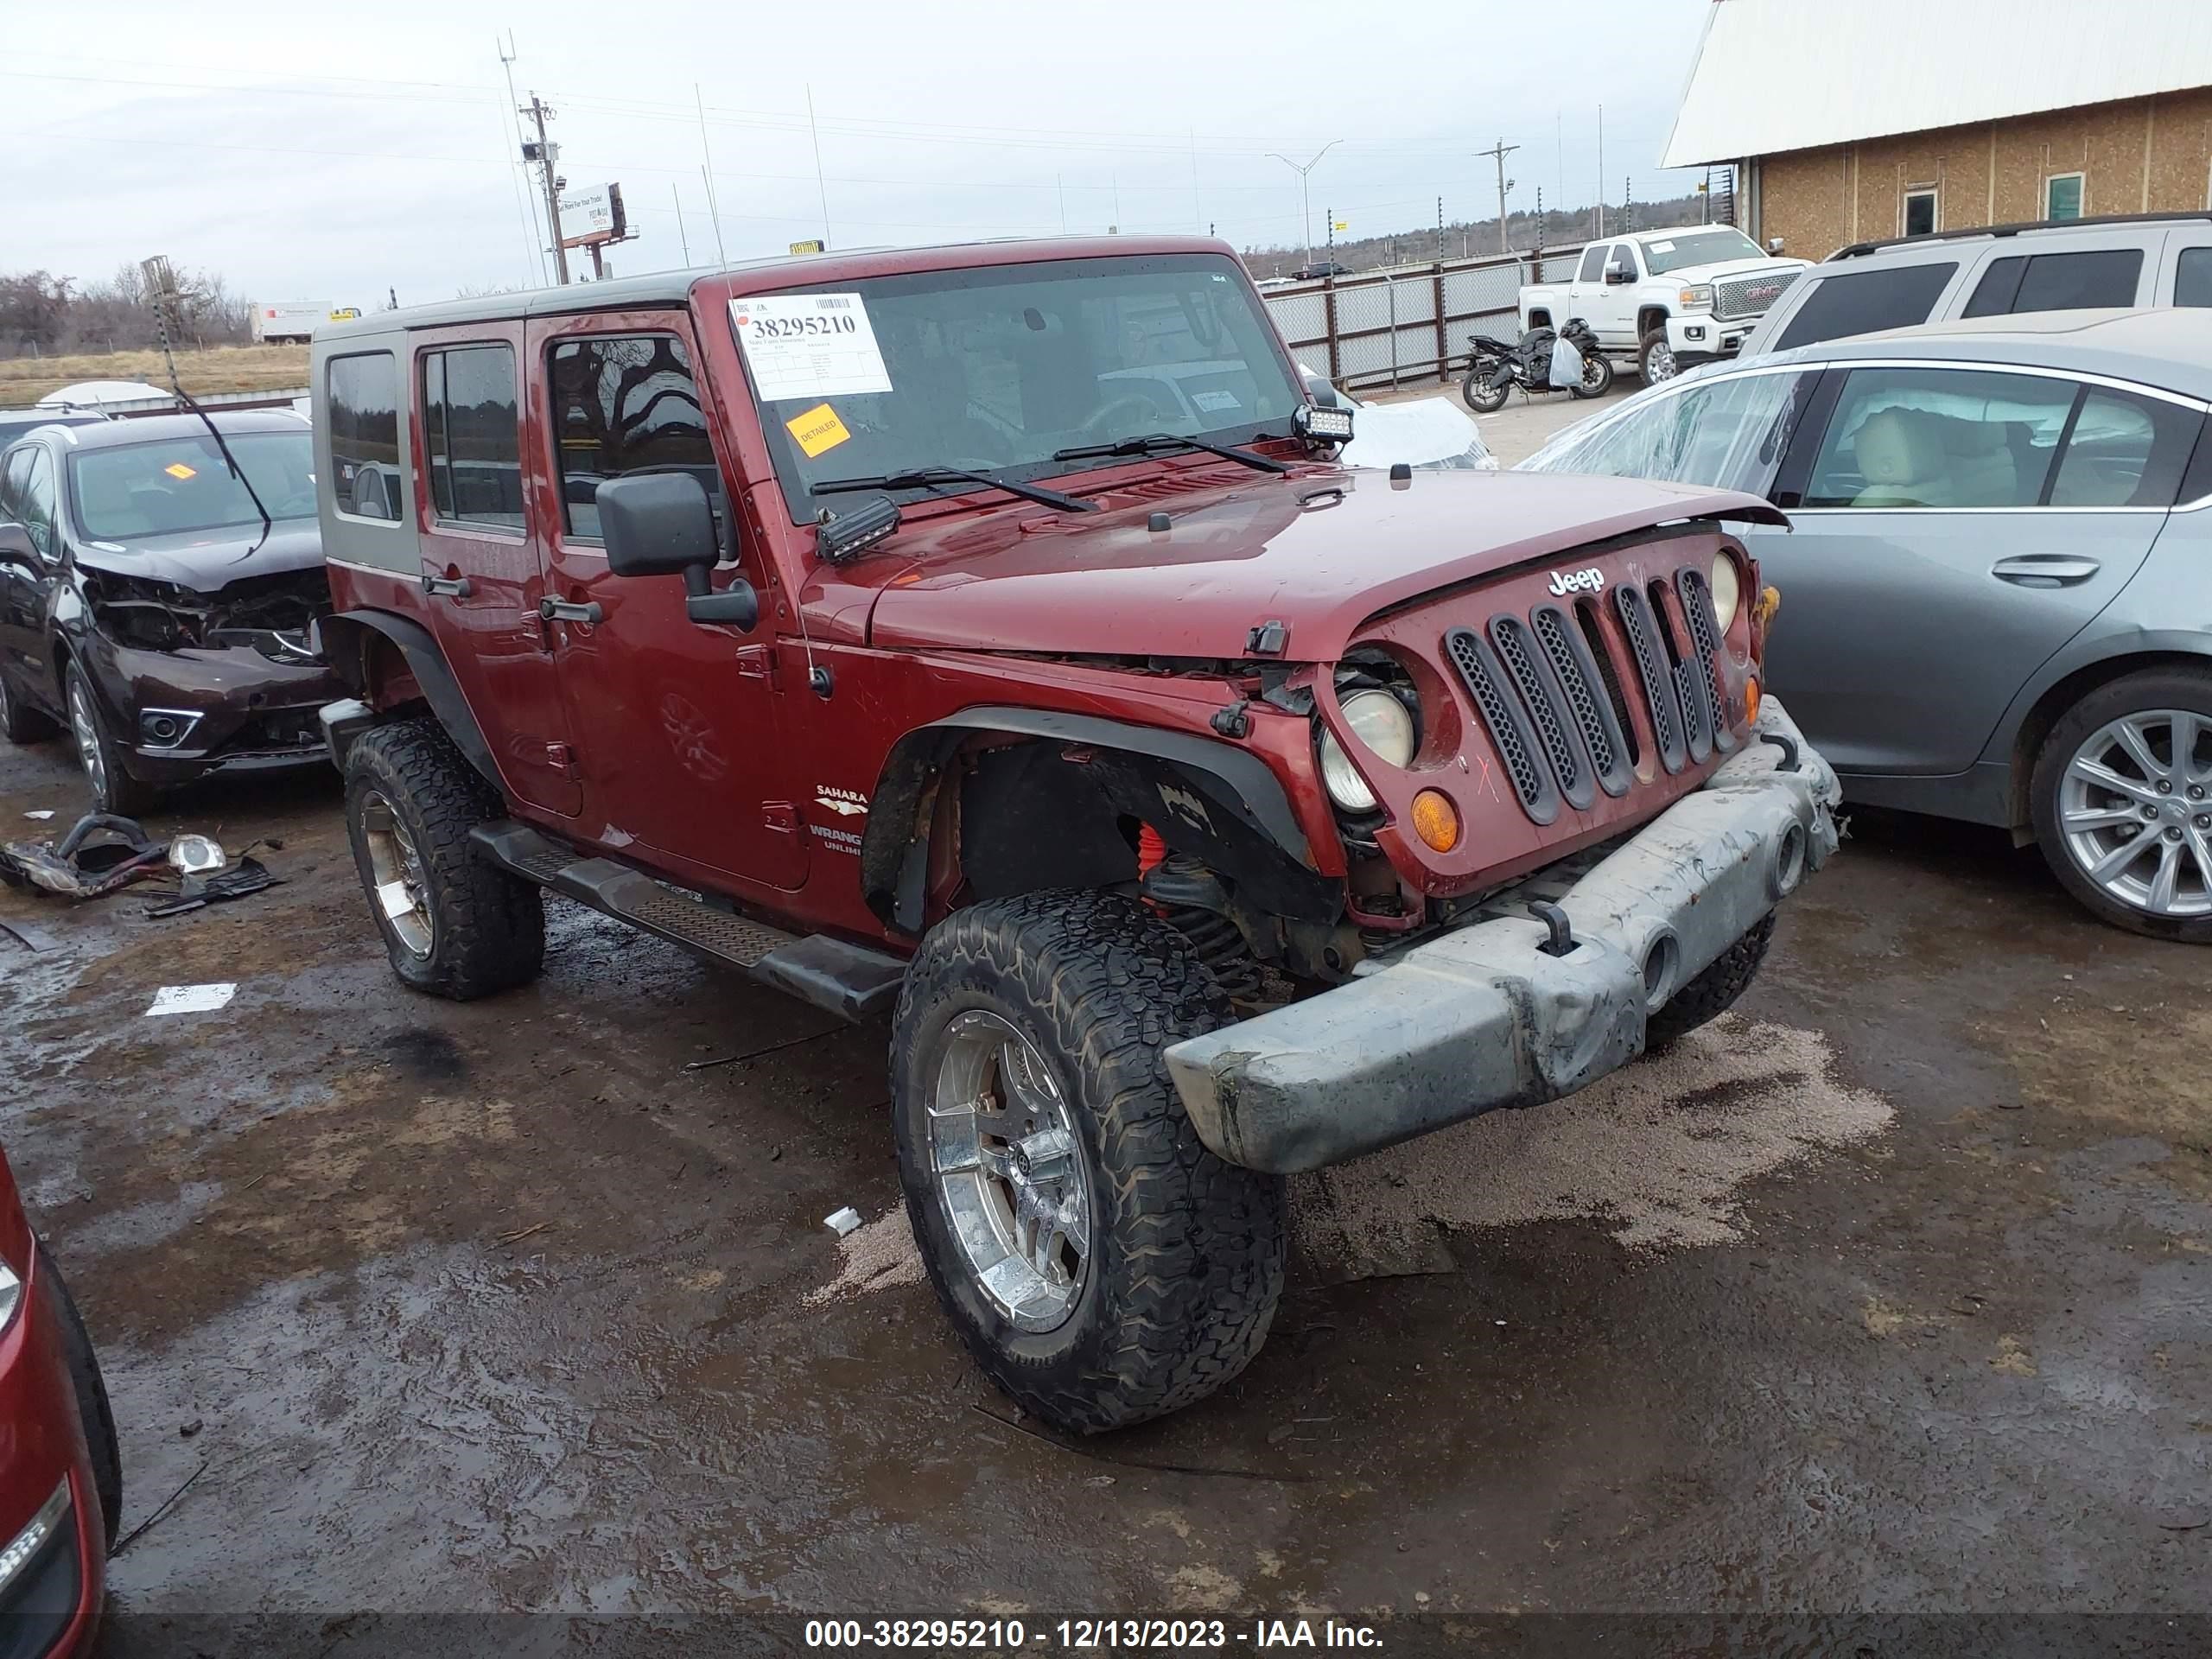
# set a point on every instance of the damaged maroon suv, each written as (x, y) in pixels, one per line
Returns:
(147, 606)
(988, 636)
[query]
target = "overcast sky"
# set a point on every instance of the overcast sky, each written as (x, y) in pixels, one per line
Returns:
(334, 153)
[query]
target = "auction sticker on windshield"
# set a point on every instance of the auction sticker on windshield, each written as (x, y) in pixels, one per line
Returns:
(809, 346)
(818, 430)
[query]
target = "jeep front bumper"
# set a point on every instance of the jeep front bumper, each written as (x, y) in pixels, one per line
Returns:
(1485, 1016)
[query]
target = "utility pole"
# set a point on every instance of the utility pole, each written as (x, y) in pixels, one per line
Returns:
(1497, 153)
(1305, 201)
(544, 153)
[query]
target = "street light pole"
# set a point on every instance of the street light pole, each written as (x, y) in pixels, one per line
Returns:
(1305, 200)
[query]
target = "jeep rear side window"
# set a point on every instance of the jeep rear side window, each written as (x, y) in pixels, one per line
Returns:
(623, 402)
(471, 439)
(363, 396)
(1865, 303)
(2057, 282)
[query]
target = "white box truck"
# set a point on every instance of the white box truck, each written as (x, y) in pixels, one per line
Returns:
(282, 323)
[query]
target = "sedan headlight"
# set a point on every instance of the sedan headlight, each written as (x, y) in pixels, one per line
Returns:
(1728, 590)
(1385, 727)
(1696, 298)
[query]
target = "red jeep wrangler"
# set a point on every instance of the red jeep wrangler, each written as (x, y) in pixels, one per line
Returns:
(986, 635)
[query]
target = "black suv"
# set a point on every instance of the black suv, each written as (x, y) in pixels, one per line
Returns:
(144, 605)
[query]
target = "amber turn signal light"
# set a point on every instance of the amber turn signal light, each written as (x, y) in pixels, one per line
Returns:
(1751, 701)
(1436, 821)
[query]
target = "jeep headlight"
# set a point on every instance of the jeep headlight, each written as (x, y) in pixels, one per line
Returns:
(1696, 298)
(1728, 590)
(1385, 727)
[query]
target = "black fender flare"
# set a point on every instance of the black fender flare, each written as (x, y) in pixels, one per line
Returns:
(431, 671)
(1182, 780)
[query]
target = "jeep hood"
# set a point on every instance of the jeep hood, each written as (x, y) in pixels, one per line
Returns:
(206, 560)
(1317, 553)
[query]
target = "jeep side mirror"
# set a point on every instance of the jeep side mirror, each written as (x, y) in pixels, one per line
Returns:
(662, 524)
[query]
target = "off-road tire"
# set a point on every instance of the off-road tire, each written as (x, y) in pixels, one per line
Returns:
(1483, 399)
(1714, 991)
(121, 793)
(19, 721)
(1186, 1254)
(90, 1389)
(2167, 688)
(487, 927)
(1652, 345)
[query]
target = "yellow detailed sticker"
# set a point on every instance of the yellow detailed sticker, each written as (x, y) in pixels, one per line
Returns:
(177, 469)
(818, 430)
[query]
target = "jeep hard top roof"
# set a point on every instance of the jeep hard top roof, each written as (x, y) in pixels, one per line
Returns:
(785, 271)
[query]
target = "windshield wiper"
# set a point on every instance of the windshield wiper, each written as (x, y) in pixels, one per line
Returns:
(1154, 443)
(931, 477)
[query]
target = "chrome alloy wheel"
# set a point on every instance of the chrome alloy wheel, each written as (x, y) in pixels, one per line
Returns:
(396, 873)
(1659, 364)
(85, 727)
(1010, 1171)
(2135, 807)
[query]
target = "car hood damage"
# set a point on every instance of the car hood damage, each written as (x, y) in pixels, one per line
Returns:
(213, 591)
(1318, 554)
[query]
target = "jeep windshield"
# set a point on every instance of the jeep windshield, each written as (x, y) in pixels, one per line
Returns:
(999, 370)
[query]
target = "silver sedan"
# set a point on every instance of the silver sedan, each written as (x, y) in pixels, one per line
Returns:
(1999, 574)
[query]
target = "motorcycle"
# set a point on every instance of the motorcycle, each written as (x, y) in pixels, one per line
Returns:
(1497, 367)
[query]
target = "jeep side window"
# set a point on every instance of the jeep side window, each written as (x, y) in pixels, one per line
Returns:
(471, 436)
(622, 403)
(1593, 263)
(2057, 282)
(1867, 301)
(363, 402)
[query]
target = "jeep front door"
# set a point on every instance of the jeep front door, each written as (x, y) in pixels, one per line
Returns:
(1956, 526)
(676, 724)
(481, 552)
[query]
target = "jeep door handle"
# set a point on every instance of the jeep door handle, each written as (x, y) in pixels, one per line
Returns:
(2045, 569)
(560, 610)
(452, 586)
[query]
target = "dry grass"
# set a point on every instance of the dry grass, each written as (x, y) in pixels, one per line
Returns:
(226, 368)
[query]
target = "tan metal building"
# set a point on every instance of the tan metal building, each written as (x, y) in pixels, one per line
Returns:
(1893, 118)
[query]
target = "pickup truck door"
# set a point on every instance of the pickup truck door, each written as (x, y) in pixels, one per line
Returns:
(1951, 528)
(482, 552)
(678, 725)
(1586, 291)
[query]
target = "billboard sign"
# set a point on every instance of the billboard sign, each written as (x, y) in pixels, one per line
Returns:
(593, 215)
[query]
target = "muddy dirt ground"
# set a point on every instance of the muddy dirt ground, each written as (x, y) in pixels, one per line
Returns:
(1888, 1297)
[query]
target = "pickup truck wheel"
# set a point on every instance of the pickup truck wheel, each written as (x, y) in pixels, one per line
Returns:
(89, 1388)
(453, 924)
(2121, 799)
(1654, 359)
(1101, 1265)
(1482, 399)
(19, 721)
(1714, 992)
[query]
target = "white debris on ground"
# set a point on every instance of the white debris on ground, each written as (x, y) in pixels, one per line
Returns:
(1658, 1152)
(878, 1254)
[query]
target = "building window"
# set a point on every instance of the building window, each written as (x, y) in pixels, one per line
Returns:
(2061, 196)
(1920, 212)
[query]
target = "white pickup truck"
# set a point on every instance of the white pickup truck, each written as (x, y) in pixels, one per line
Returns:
(1674, 297)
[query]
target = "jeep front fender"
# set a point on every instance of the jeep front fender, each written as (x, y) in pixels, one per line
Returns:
(345, 638)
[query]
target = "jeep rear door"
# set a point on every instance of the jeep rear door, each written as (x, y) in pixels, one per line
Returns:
(677, 725)
(482, 556)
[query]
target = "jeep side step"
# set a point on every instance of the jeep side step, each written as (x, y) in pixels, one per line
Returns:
(848, 980)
